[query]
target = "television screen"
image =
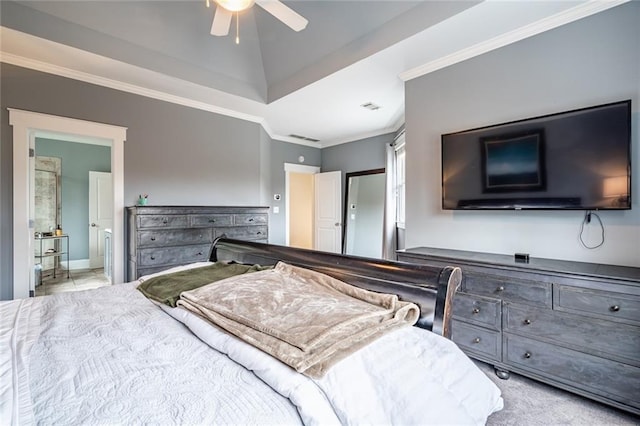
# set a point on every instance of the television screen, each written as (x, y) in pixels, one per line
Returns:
(577, 159)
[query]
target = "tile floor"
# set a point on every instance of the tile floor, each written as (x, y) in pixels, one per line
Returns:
(79, 279)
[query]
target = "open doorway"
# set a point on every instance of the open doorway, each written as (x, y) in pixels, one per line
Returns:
(316, 203)
(299, 202)
(75, 262)
(301, 210)
(27, 126)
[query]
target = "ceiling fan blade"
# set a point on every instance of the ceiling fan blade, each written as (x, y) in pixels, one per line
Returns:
(287, 15)
(221, 22)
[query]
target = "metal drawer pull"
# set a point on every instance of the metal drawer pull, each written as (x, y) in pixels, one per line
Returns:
(501, 288)
(153, 258)
(614, 308)
(526, 321)
(199, 253)
(165, 221)
(250, 219)
(527, 355)
(258, 233)
(212, 220)
(475, 311)
(153, 238)
(476, 340)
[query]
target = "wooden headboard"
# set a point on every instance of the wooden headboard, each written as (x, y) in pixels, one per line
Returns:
(429, 287)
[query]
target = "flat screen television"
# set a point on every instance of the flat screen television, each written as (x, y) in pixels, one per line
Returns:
(579, 159)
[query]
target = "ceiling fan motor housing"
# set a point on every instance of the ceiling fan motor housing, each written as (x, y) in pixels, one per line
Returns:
(235, 5)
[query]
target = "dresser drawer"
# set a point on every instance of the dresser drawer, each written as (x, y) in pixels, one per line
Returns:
(477, 310)
(476, 340)
(597, 303)
(162, 221)
(210, 220)
(162, 238)
(601, 337)
(250, 219)
(242, 232)
(173, 255)
(609, 379)
(508, 289)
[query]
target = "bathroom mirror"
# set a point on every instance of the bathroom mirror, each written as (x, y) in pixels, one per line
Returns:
(364, 213)
(47, 203)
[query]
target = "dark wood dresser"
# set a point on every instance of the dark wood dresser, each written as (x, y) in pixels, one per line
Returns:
(160, 237)
(573, 325)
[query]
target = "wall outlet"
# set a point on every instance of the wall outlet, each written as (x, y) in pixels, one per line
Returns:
(276, 209)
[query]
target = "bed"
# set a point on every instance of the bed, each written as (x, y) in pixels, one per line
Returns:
(113, 356)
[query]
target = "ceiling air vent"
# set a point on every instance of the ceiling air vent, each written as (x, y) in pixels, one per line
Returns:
(304, 138)
(371, 106)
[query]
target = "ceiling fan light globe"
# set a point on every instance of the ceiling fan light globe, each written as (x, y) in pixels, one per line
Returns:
(235, 5)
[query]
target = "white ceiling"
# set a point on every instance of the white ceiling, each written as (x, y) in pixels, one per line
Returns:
(310, 83)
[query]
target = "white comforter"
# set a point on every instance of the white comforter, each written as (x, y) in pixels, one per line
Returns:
(19, 328)
(409, 377)
(112, 356)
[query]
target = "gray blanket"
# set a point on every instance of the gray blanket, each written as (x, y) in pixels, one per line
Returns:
(166, 288)
(306, 319)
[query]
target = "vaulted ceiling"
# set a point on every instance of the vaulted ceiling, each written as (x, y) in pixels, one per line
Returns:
(310, 83)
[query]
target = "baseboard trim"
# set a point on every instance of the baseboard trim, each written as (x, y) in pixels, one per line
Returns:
(75, 264)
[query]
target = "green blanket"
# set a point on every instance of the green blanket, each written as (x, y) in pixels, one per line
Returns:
(167, 288)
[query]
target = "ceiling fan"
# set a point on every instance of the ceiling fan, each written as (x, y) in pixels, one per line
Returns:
(226, 8)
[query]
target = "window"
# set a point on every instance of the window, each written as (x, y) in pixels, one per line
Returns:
(400, 181)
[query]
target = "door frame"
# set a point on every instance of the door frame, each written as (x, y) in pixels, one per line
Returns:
(27, 126)
(293, 168)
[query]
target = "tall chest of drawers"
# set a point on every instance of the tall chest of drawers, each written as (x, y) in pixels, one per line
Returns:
(160, 237)
(573, 325)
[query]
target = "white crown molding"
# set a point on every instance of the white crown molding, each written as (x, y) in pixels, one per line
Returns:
(288, 139)
(237, 107)
(399, 121)
(119, 85)
(87, 77)
(48, 68)
(360, 136)
(567, 16)
(296, 141)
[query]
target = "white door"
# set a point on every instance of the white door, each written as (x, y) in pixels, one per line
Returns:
(328, 212)
(100, 215)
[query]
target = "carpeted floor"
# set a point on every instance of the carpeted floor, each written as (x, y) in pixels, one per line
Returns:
(531, 403)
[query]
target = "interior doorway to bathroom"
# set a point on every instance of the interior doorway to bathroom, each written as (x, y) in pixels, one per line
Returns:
(65, 188)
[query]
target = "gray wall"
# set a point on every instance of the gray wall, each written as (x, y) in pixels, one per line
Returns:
(285, 152)
(592, 61)
(177, 155)
(356, 156)
(77, 161)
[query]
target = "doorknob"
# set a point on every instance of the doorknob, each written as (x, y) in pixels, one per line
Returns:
(337, 224)
(93, 225)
